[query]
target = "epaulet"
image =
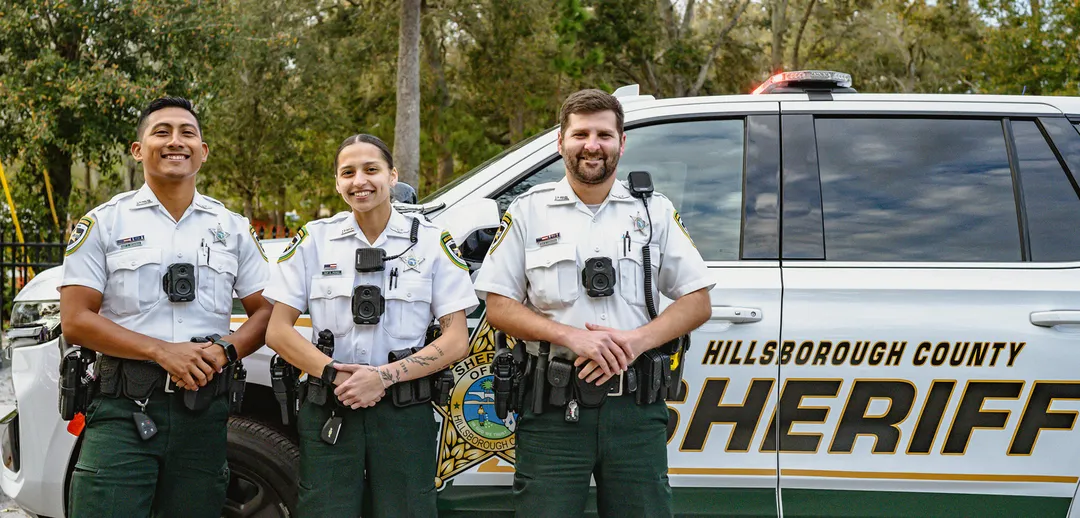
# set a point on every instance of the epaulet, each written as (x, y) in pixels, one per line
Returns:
(424, 222)
(116, 199)
(213, 200)
(329, 220)
(536, 189)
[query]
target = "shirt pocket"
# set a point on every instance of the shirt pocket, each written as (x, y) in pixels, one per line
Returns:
(408, 309)
(330, 305)
(632, 275)
(554, 279)
(134, 283)
(217, 274)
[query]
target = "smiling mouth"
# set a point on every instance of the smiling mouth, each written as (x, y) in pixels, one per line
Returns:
(362, 195)
(175, 157)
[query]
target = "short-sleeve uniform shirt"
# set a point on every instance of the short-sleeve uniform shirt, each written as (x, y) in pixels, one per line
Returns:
(124, 248)
(317, 273)
(548, 234)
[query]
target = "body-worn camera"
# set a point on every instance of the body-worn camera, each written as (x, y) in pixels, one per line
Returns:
(370, 260)
(179, 282)
(598, 277)
(368, 304)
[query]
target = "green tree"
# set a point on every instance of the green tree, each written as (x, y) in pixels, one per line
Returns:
(73, 75)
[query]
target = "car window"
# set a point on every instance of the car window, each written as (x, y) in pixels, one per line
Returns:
(1051, 201)
(698, 165)
(916, 190)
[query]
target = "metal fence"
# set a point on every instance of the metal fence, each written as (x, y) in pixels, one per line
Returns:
(19, 262)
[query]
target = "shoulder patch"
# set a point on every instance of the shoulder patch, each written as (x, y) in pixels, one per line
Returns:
(678, 221)
(450, 248)
(294, 244)
(258, 244)
(79, 234)
(504, 227)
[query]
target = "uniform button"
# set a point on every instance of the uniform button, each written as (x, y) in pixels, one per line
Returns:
(328, 291)
(408, 295)
(597, 249)
(180, 320)
(363, 351)
(603, 316)
(132, 263)
(180, 254)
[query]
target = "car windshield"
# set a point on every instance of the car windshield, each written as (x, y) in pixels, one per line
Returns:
(457, 181)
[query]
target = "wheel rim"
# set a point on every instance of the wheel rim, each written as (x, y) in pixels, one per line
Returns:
(251, 496)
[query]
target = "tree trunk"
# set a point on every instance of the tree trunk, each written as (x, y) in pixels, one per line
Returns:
(779, 27)
(437, 62)
(58, 164)
(407, 122)
(796, 62)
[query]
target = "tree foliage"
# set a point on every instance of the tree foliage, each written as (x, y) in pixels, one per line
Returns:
(280, 83)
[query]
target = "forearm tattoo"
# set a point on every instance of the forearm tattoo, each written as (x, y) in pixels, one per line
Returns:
(446, 321)
(388, 377)
(437, 348)
(422, 361)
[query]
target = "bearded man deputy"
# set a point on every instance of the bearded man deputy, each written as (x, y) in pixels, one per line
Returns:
(566, 275)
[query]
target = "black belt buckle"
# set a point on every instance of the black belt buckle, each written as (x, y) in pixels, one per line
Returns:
(615, 385)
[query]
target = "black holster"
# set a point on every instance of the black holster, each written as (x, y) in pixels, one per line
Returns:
(509, 369)
(417, 391)
(284, 380)
(78, 384)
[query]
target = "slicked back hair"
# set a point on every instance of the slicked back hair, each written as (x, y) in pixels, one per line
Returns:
(587, 102)
(165, 102)
(366, 139)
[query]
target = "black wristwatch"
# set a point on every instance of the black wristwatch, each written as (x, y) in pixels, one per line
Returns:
(230, 349)
(329, 373)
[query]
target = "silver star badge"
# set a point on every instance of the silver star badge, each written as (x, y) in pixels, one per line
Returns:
(639, 224)
(219, 234)
(412, 262)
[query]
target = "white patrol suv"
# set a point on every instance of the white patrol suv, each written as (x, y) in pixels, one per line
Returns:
(895, 328)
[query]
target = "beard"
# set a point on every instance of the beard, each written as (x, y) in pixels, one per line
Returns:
(591, 177)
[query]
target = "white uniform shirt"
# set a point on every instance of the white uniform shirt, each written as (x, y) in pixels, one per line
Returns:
(547, 234)
(317, 273)
(124, 247)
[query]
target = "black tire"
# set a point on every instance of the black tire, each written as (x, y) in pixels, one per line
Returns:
(265, 465)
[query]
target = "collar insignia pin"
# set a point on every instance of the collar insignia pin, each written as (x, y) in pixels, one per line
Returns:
(219, 235)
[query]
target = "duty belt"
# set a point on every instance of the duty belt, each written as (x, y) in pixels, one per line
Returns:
(137, 380)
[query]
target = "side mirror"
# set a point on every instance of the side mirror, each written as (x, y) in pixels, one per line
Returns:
(472, 224)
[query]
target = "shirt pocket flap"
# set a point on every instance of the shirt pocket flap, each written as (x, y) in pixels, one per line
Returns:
(547, 256)
(220, 261)
(330, 288)
(413, 290)
(133, 259)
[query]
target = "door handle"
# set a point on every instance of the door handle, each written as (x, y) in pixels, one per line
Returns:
(1054, 318)
(736, 315)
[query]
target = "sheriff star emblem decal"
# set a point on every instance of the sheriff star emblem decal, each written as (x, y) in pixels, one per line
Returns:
(472, 434)
(219, 234)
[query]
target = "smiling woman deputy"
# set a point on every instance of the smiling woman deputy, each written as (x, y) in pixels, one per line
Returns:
(372, 280)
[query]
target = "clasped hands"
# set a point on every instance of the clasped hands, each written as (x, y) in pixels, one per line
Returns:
(359, 386)
(604, 353)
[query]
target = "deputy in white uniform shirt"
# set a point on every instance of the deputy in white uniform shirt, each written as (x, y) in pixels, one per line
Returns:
(375, 280)
(144, 275)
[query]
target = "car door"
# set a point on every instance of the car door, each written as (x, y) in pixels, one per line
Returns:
(930, 339)
(719, 165)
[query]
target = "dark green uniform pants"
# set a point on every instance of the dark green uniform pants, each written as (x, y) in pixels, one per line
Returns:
(396, 448)
(622, 444)
(180, 471)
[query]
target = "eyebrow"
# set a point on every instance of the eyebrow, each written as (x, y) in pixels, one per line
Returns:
(186, 125)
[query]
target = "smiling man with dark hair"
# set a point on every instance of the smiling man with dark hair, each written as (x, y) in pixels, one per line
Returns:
(148, 284)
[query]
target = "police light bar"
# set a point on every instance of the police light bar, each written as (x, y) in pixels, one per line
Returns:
(803, 80)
